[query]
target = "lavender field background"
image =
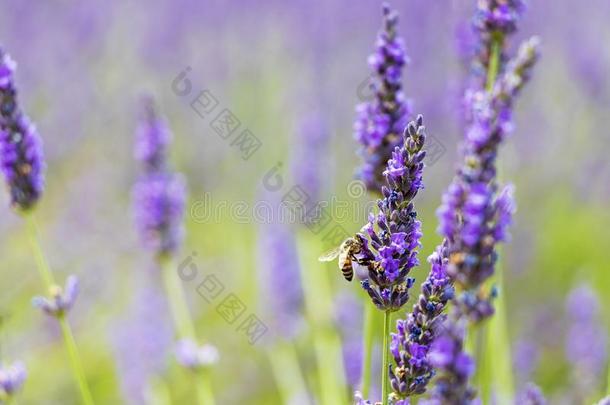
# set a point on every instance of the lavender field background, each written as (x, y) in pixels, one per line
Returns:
(288, 71)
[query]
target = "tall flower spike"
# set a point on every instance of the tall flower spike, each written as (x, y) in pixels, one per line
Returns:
(21, 158)
(474, 214)
(391, 238)
(12, 378)
(61, 299)
(381, 120)
(411, 344)
(159, 194)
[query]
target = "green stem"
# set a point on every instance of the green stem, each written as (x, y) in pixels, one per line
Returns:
(47, 276)
(185, 327)
(494, 62)
(205, 394)
(41, 261)
(386, 358)
(319, 308)
(75, 362)
(287, 373)
(368, 339)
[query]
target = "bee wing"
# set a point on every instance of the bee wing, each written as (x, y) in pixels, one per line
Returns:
(330, 255)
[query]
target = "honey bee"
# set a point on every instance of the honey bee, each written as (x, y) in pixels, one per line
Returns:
(346, 253)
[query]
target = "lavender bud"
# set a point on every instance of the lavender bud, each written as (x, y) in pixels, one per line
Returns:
(61, 300)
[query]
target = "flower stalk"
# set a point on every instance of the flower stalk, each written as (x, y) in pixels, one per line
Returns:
(68, 337)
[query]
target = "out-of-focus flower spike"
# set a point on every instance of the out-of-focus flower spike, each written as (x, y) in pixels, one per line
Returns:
(21, 157)
(381, 120)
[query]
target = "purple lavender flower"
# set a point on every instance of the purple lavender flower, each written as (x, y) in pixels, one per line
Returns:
(380, 121)
(159, 200)
(61, 300)
(280, 279)
(532, 395)
(586, 340)
(411, 344)
(455, 367)
(604, 401)
(391, 238)
(21, 158)
(159, 195)
(12, 378)
(153, 137)
(194, 357)
(474, 214)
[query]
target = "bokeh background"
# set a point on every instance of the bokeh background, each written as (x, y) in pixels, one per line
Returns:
(82, 67)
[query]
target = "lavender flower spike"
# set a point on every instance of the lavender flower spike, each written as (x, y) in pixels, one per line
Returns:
(11, 379)
(61, 300)
(381, 120)
(21, 158)
(391, 238)
(158, 195)
(474, 214)
(411, 345)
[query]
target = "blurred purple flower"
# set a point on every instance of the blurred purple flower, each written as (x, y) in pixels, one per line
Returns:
(586, 341)
(61, 300)
(21, 157)
(280, 280)
(311, 146)
(391, 238)
(531, 395)
(493, 21)
(474, 214)
(12, 378)
(349, 320)
(159, 195)
(380, 121)
(194, 357)
(142, 341)
(159, 200)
